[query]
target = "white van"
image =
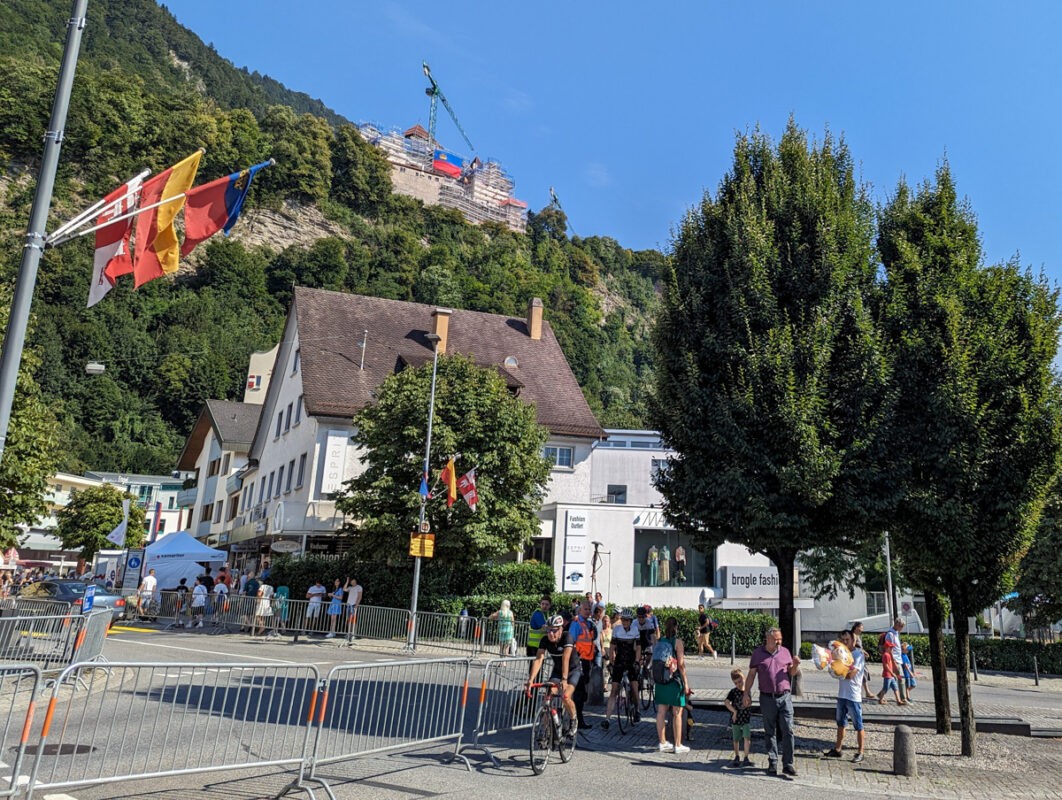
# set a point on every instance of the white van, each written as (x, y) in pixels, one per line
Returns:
(880, 623)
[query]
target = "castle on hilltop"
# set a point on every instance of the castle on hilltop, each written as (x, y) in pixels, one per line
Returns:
(481, 190)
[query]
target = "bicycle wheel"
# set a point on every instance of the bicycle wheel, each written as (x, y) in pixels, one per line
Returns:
(541, 740)
(622, 717)
(566, 745)
(647, 691)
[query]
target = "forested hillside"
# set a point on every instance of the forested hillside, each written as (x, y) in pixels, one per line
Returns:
(148, 92)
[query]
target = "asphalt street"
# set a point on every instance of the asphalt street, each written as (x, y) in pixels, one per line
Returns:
(621, 766)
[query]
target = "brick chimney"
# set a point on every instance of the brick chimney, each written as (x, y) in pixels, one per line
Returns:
(534, 318)
(440, 325)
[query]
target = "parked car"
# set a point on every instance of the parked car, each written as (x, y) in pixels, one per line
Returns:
(73, 592)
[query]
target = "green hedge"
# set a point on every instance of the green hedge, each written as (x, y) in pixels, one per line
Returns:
(747, 628)
(1008, 655)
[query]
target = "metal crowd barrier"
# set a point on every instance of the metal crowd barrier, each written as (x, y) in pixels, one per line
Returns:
(48, 642)
(390, 706)
(491, 643)
(503, 703)
(448, 631)
(19, 684)
(149, 720)
(31, 607)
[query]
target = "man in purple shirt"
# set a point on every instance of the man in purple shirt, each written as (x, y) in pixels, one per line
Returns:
(774, 665)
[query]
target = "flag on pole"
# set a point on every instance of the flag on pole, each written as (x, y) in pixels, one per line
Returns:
(117, 536)
(466, 484)
(424, 486)
(449, 477)
(216, 206)
(112, 242)
(157, 250)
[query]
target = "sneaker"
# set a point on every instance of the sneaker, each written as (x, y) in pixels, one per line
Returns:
(736, 762)
(604, 724)
(772, 768)
(746, 762)
(199, 625)
(680, 749)
(791, 771)
(666, 747)
(330, 636)
(585, 726)
(858, 759)
(831, 753)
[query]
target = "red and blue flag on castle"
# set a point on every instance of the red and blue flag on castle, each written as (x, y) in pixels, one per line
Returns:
(216, 206)
(448, 163)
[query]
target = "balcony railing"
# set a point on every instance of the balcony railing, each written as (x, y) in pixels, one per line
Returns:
(318, 516)
(186, 497)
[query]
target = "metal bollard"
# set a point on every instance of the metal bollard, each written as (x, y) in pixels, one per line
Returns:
(733, 648)
(973, 657)
(1036, 671)
(904, 757)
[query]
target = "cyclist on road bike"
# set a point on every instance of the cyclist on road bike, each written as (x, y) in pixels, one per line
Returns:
(648, 629)
(559, 644)
(626, 656)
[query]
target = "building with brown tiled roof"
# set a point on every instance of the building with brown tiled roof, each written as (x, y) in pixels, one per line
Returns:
(335, 352)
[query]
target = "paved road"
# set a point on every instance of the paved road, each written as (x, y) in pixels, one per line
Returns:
(625, 766)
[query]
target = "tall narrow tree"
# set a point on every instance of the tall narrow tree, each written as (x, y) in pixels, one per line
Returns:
(973, 426)
(768, 369)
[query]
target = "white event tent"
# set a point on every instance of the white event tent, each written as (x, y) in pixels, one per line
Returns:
(180, 555)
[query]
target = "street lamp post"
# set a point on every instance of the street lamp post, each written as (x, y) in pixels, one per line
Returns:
(434, 338)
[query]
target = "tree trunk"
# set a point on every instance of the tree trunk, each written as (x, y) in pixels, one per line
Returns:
(785, 562)
(962, 680)
(938, 661)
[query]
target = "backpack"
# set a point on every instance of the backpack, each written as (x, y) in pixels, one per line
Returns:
(664, 665)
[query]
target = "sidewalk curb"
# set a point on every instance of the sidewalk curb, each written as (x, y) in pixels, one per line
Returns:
(1013, 726)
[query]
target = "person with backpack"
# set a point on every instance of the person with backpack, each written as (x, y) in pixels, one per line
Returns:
(671, 685)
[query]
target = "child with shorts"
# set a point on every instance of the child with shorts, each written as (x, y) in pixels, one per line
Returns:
(740, 720)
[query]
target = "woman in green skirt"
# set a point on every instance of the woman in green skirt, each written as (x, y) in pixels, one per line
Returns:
(669, 659)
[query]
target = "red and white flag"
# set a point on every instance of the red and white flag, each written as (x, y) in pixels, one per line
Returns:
(112, 242)
(466, 485)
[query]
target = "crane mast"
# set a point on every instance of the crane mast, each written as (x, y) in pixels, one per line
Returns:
(436, 94)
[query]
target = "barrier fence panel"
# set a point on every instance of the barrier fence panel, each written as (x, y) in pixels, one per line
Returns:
(390, 706)
(492, 642)
(233, 612)
(376, 622)
(29, 607)
(47, 642)
(503, 702)
(449, 631)
(88, 647)
(19, 684)
(145, 720)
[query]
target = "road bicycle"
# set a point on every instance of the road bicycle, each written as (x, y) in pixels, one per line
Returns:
(149, 611)
(626, 705)
(552, 729)
(646, 687)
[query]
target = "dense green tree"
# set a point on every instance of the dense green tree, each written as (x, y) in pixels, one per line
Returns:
(768, 375)
(478, 422)
(361, 176)
(973, 426)
(1039, 583)
(84, 522)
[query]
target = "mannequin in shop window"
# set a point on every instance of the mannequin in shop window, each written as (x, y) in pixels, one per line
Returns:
(680, 564)
(665, 566)
(653, 560)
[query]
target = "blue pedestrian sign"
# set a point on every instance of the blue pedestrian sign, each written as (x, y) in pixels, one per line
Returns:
(134, 562)
(89, 598)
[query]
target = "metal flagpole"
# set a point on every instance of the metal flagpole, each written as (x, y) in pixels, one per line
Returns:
(434, 338)
(15, 339)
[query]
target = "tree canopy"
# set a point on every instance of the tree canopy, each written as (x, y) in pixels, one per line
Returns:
(91, 514)
(769, 377)
(478, 422)
(972, 430)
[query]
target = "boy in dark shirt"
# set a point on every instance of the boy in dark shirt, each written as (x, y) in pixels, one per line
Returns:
(740, 720)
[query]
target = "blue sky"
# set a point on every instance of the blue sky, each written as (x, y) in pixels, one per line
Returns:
(630, 109)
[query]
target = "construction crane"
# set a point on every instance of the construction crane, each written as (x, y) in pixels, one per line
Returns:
(554, 202)
(435, 93)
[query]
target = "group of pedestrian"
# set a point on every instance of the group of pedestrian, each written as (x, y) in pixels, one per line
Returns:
(343, 602)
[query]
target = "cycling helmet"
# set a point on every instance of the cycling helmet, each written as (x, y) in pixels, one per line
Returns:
(555, 622)
(642, 611)
(626, 614)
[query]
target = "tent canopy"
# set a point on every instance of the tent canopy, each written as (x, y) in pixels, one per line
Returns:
(179, 555)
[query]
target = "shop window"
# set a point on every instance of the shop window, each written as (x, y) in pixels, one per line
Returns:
(658, 560)
(540, 550)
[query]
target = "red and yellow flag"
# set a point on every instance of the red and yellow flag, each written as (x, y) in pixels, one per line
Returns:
(449, 477)
(157, 249)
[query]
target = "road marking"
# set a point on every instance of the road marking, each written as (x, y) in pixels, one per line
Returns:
(122, 628)
(59, 797)
(216, 653)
